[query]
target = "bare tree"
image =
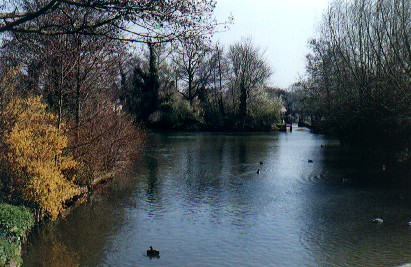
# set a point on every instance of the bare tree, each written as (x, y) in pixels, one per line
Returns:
(136, 20)
(189, 58)
(218, 68)
(359, 71)
(249, 71)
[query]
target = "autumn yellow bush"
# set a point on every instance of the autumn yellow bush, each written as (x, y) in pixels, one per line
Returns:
(35, 146)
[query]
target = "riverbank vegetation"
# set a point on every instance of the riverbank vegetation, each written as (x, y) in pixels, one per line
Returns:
(80, 81)
(359, 75)
(64, 125)
(198, 85)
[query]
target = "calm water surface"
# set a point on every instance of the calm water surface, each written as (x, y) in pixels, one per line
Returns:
(198, 199)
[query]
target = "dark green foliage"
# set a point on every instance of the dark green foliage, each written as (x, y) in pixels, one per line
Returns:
(143, 97)
(15, 222)
(9, 251)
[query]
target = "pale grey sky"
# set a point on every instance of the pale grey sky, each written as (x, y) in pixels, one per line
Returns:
(283, 27)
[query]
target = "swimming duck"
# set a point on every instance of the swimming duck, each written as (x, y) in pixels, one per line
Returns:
(261, 163)
(378, 220)
(258, 171)
(310, 161)
(152, 252)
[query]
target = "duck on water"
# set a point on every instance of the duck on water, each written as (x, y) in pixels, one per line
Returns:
(153, 252)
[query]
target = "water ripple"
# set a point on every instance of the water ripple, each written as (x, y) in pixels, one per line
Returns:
(199, 200)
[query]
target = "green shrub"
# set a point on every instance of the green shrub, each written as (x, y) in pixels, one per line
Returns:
(15, 221)
(9, 251)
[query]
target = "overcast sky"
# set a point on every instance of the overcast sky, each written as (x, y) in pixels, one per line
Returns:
(283, 27)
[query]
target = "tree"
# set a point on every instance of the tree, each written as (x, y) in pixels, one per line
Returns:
(78, 77)
(189, 59)
(143, 98)
(35, 154)
(137, 20)
(359, 72)
(214, 75)
(249, 71)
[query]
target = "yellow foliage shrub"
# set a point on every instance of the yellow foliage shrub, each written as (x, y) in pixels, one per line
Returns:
(35, 154)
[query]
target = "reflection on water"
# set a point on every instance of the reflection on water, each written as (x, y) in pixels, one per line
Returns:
(198, 199)
(58, 253)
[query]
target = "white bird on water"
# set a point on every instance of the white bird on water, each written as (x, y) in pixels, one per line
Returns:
(378, 220)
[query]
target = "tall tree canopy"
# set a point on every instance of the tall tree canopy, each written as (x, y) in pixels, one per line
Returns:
(250, 70)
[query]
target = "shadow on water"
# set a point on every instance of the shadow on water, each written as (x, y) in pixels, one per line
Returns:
(357, 187)
(64, 243)
(83, 238)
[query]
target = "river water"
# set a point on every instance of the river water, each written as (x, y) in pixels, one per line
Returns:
(197, 198)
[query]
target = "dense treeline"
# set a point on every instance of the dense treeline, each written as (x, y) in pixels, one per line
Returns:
(359, 74)
(195, 84)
